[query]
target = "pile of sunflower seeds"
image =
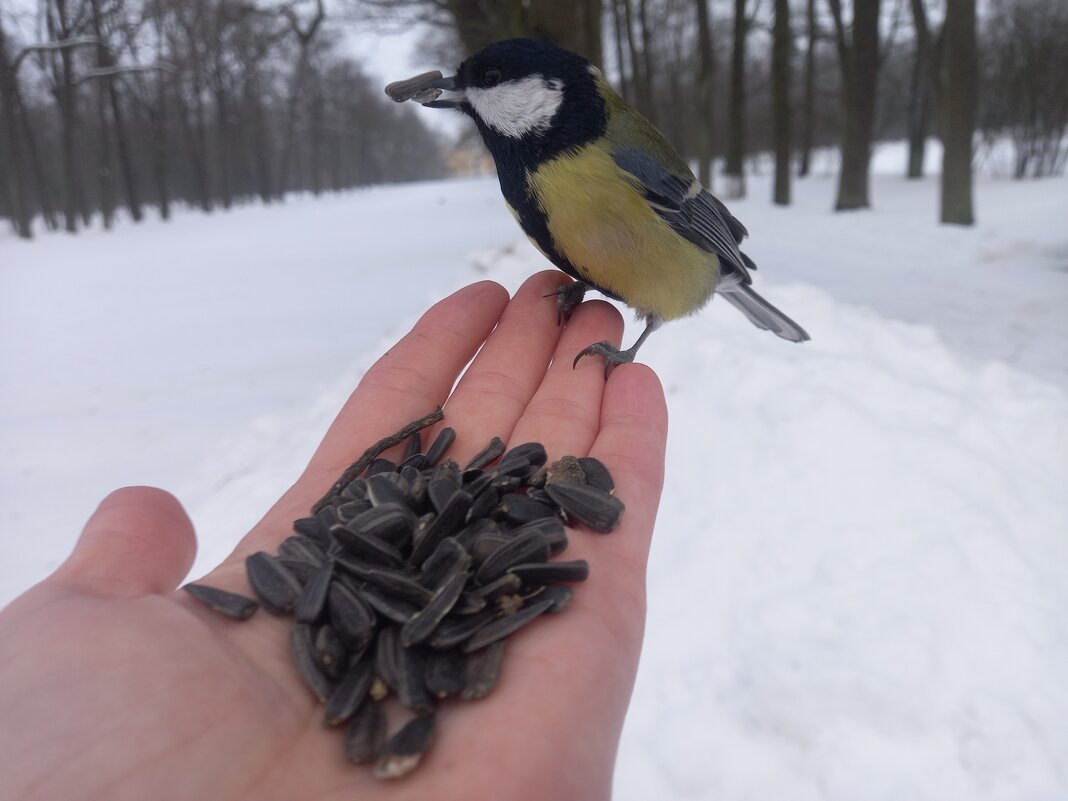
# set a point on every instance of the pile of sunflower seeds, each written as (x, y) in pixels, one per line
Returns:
(408, 578)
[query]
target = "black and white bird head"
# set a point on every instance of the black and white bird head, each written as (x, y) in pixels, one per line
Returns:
(523, 90)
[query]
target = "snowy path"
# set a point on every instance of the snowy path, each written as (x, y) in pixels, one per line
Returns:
(856, 589)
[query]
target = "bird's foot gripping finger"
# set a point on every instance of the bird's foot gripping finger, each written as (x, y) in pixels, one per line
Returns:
(612, 355)
(568, 297)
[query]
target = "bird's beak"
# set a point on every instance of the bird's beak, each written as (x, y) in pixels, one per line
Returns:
(450, 84)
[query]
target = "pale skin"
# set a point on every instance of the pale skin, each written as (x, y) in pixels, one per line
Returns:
(115, 685)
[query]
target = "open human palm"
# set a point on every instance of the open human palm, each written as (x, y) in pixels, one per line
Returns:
(115, 685)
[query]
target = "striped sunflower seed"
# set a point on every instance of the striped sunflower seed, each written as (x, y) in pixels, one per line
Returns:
(350, 617)
(543, 573)
(596, 473)
(402, 752)
(365, 733)
(275, 586)
(307, 661)
(423, 623)
(482, 671)
(446, 673)
(227, 603)
(440, 446)
(332, 655)
(504, 626)
(350, 692)
(492, 451)
(531, 546)
(596, 508)
(312, 598)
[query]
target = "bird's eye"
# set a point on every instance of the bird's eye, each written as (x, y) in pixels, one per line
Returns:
(491, 77)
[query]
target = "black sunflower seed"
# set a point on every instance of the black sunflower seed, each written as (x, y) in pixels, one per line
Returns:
(504, 626)
(483, 670)
(520, 509)
(596, 473)
(506, 584)
(312, 598)
(486, 545)
(389, 522)
(402, 669)
(300, 638)
(446, 673)
(300, 568)
(455, 629)
(552, 528)
(313, 528)
(493, 450)
(401, 753)
(381, 466)
(350, 617)
(483, 504)
(423, 623)
(350, 510)
(399, 585)
(365, 733)
(227, 603)
(543, 573)
(302, 547)
(413, 447)
(440, 445)
(531, 546)
(440, 492)
(533, 452)
(387, 488)
(350, 692)
(331, 652)
(355, 490)
(448, 557)
(367, 546)
(448, 522)
(388, 606)
(470, 534)
(275, 586)
(596, 508)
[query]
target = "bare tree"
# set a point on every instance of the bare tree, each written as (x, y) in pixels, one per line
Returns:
(734, 168)
(705, 94)
(958, 111)
(922, 89)
(781, 74)
(858, 57)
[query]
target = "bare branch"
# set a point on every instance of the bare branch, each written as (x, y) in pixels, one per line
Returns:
(42, 47)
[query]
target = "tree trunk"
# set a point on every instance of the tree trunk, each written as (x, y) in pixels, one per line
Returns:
(780, 90)
(919, 94)
(808, 112)
(574, 26)
(859, 62)
(642, 89)
(625, 84)
(17, 180)
(958, 107)
(651, 110)
(734, 169)
(705, 95)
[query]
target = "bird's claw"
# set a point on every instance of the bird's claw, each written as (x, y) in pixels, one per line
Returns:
(612, 355)
(568, 297)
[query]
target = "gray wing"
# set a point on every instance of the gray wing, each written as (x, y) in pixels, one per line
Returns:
(691, 212)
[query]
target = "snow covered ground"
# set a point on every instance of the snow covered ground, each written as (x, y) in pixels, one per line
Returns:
(856, 588)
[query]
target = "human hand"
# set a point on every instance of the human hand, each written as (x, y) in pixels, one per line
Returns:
(113, 685)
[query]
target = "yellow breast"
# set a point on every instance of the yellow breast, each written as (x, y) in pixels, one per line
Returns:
(602, 224)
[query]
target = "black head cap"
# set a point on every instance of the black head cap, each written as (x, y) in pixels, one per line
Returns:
(530, 99)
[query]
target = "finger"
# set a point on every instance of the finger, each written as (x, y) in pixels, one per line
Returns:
(499, 384)
(412, 377)
(564, 414)
(138, 542)
(631, 443)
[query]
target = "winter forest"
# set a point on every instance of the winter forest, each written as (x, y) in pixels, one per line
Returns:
(214, 222)
(138, 104)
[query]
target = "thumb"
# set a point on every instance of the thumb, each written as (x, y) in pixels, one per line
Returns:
(139, 541)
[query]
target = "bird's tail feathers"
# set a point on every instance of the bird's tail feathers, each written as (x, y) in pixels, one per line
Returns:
(761, 313)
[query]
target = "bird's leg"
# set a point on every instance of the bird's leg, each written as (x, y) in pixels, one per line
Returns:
(568, 297)
(613, 355)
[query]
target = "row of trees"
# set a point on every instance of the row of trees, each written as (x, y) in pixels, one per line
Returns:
(729, 79)
(211, 102)
(204, 102)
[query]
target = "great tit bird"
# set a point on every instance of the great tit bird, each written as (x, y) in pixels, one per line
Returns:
(598, 189)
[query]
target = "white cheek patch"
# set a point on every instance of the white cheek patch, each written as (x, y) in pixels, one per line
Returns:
(518, 108)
